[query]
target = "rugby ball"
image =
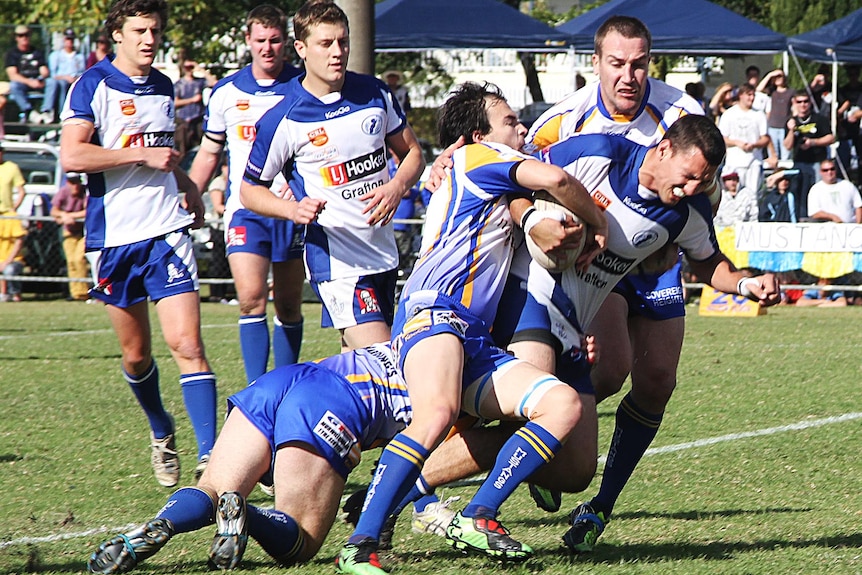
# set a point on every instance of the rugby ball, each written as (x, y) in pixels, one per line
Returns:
(561, 259)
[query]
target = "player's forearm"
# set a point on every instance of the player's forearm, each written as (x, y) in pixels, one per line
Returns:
(261, 200)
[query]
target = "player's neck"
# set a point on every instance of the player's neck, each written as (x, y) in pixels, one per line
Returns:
(261, 74)
(131, 69)
(318, 87)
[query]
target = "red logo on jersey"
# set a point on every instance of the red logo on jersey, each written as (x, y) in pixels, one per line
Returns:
(128, 107)
(236, 236)
(242, 105)
(367, 300)
(246, 133)
(318, 137)
(601, 200)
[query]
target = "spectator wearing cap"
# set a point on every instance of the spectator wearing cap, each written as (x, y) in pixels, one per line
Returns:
(11, 185)
(779, 203)
(27, 71)
(102, 51)
(738, 203)
(393, 79)
(68, 209)
(65, 65)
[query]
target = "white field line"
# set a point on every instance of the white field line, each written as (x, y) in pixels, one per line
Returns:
(807, 424)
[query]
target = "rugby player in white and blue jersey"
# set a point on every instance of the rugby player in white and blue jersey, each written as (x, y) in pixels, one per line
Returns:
(118, 127)
(641, 325)
(331, 133)
(650, 196)
(255, 242)
(441, 331)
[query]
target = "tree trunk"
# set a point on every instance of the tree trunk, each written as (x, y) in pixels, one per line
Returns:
(528, 61)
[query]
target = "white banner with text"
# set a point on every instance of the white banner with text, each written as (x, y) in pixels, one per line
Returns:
(789, 237)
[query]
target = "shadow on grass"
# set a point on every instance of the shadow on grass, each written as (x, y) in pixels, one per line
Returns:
(720, 550)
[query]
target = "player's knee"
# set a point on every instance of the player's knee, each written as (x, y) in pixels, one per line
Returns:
(432, 423)
(187, 348)
(552, 402)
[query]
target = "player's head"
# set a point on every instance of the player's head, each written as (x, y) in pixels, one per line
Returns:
(121, 10)
(265, 34)
(322, 40)
(136, 27)
(621, 61)
(314, 13)
(686, 159)
(479, 112)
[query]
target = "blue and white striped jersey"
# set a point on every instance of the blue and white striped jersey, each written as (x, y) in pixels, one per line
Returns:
(335, 150)
(467, 237)
(235, 106)
(372, 374)
(638, 221)
(583, 112)
(127, 204)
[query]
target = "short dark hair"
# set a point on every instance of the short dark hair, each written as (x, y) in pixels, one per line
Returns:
(316, 12)
(625, 26)
(693, 131)
(268, 16)
(745, 89)
(465, 112)
(752, 69)
(122, 9)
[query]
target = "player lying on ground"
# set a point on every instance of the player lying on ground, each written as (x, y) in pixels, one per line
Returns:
(309, 422)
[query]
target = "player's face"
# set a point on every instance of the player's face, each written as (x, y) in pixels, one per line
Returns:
(325, 53)
(505, 126)
(137, 43)
(267, 50)
(681, 171)
(622, 67)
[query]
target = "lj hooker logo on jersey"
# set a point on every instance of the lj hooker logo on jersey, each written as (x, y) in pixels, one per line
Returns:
(352, 170)
(149, 140)
(246, 133)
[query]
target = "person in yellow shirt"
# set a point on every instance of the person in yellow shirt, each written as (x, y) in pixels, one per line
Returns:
(11, 258)
(11, 181)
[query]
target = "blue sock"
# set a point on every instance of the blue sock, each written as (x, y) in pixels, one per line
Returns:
(417, 493)
(286, 342)
(199, 395)
(189, 509)
(528, 449)
(276, 532)
(423, 502)
(634, 432)
(254, 343)
(399, 467)
(146, 390)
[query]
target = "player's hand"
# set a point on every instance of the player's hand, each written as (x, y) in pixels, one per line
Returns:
(441, 164)
(382, 203)
(551, 235)
(764, 289)
(591, 348)
(194, 204)
(304, 211)
(597, 242)
(163, 158)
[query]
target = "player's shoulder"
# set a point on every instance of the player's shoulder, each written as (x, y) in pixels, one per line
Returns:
(612, 146)
(665, 97)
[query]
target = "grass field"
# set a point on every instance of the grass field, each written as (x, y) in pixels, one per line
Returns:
(756, 469)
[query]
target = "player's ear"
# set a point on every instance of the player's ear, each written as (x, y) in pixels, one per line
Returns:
(299, 46)
(478, 136)
(665, 149)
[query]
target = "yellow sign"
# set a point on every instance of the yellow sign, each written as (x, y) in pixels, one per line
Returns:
(718, 303)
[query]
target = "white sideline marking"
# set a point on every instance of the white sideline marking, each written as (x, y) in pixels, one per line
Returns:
(808, 424)
(63, 536)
